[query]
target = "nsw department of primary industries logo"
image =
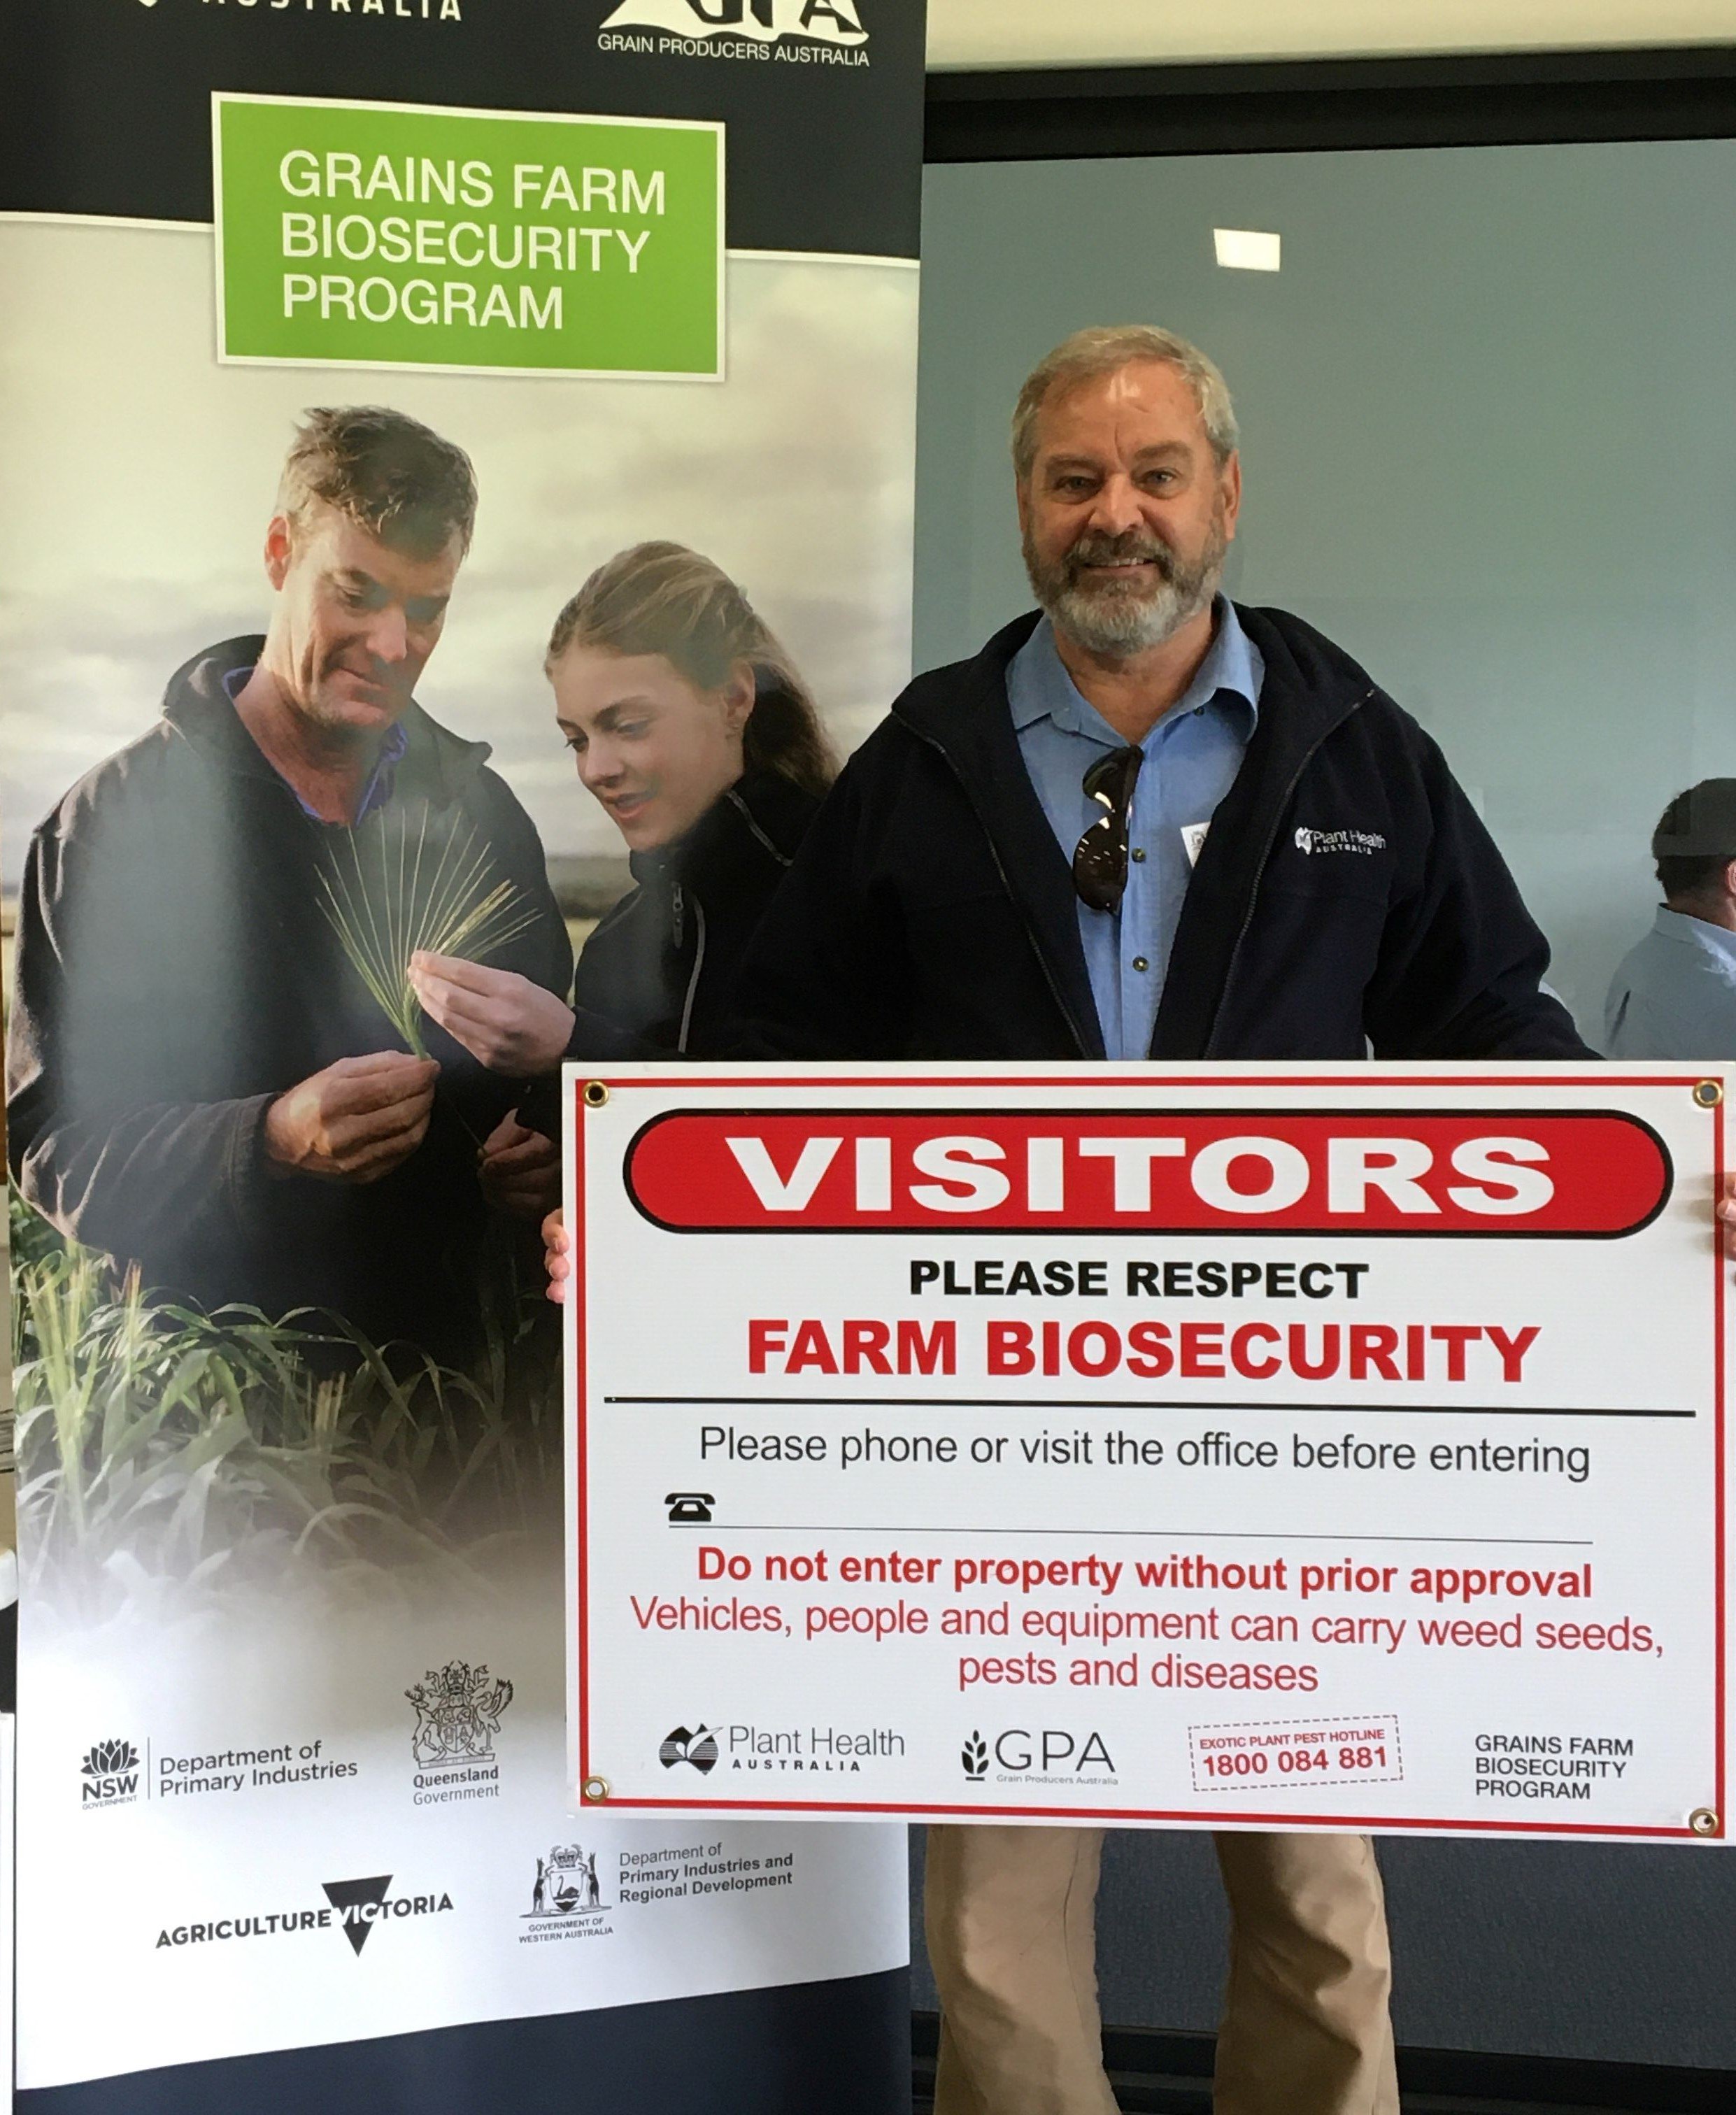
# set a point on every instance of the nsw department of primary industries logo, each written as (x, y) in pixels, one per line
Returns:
(828, 31)
(111, 1774)
(697, 1747)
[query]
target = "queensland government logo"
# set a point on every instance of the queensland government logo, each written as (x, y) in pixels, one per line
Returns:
(111, 1774)
(457, 1715)
(805, 32)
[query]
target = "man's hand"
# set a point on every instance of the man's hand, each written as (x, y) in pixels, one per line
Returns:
(520, 1170)
(355, 1122)
(557, 1255)
(509, 1024)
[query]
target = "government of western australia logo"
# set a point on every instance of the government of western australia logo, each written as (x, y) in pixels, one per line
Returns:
(567, 1884)
(111, 1774)
(457, 1715)
(697, 1747)
(825, 32)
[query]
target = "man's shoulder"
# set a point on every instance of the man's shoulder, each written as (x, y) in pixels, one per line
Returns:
(130, 780)
(1302, 660)
(461, 767)
(935, 697)
(137, 777)
(1675, 951)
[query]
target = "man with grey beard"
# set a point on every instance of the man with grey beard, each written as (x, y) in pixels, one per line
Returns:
(1149, 823)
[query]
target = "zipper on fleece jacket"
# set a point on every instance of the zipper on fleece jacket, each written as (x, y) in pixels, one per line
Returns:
(1081, 1042)
(1279, 808)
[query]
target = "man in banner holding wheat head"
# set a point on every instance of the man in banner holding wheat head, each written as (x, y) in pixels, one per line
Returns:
(218, 1070)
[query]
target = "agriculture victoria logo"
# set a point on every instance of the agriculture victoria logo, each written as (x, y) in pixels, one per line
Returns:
(110, 1773)
(353, 1907)
(567, 1898)
(457, 1716)
(1050, 1754)
(796, 32)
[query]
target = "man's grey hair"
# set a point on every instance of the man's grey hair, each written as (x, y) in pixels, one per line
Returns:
(1105, 348)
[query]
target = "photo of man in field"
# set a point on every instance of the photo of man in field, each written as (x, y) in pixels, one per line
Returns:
(216, 1076)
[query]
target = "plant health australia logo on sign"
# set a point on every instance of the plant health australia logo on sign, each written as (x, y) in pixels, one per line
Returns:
(360, 234)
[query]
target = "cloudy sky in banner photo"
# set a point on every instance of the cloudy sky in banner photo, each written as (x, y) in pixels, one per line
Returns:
(140, 475)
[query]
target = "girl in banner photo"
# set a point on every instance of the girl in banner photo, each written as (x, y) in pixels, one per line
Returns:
(691, 725)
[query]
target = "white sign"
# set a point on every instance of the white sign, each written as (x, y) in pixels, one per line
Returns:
(1295, 1446)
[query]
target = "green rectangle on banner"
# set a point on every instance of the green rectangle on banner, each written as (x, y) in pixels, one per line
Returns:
(368, 234)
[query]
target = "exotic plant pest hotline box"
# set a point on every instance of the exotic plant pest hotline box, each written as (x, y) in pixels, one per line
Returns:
(1303, 1446)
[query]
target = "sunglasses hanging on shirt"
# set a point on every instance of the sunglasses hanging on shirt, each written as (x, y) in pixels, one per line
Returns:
(1100, 856)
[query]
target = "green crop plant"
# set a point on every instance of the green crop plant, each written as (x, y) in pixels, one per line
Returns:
(156, 1443)
(393, 888)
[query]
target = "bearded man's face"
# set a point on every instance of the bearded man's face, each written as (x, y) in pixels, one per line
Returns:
(1127, 513)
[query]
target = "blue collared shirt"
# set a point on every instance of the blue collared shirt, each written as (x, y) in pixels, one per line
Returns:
(1191, 756)
(1674, 995)
(378, 791)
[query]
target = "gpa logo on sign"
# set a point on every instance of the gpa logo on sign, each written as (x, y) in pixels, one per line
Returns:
(1051, 1754)
(111, 1774)
(828, 31)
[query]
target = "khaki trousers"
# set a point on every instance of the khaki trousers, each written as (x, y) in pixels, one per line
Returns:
(1011, 1937)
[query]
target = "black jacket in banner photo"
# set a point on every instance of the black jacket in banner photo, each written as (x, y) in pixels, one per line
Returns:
(1346, 897)
(177, 970)
(661, 974)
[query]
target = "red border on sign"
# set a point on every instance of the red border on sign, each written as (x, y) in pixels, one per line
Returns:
(1599, 1079)
(576, 1293)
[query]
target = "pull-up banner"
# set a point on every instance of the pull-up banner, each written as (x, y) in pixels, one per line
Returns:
(1257, 1446)
(342, 342)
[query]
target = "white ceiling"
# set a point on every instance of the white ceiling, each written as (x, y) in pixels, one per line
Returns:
(1009, 33)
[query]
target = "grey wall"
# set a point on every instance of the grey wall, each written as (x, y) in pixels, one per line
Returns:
(1490, 447)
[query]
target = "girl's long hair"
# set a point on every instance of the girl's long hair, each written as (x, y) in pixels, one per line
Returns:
(664, 599)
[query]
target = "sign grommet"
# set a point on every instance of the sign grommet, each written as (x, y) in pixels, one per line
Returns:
(1708, 1093)
(595, 1094)
(596, 1790)
(1703, 1821)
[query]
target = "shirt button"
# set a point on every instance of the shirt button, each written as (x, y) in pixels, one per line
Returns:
(1141, 963)
(1139, 857)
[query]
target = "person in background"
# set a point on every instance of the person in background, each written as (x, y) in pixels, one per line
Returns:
(1674, 995)
(1144, 821)
(692, 728)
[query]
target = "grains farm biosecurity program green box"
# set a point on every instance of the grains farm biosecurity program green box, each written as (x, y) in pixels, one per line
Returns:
(391, 234)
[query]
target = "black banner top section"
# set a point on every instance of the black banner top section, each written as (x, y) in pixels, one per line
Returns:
(105, 105)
